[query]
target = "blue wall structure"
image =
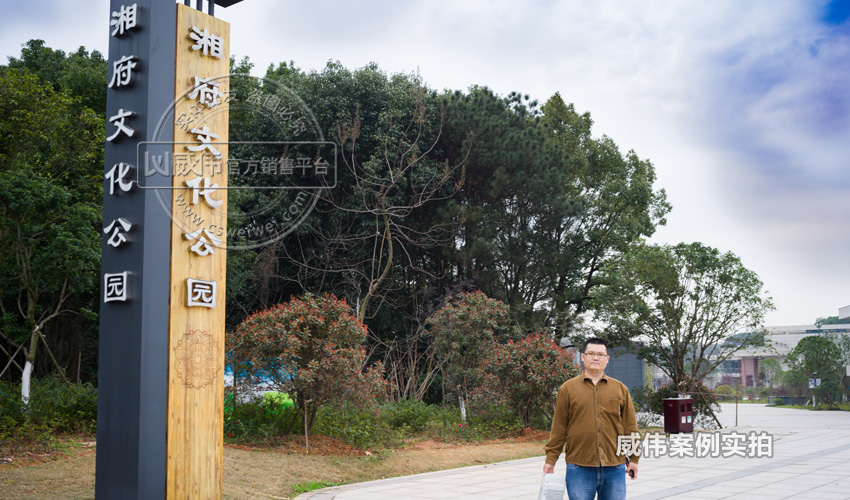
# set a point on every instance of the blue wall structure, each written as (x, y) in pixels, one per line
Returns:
(626, 367)
(623, 366)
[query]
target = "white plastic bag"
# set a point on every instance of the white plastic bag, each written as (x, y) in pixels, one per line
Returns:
(552, 487)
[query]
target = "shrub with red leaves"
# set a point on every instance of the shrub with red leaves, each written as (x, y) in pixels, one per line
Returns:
(525, 374)
(465, 329)
(310, 348)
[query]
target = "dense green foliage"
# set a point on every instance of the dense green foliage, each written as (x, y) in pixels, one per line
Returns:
(518, 200)
(54, 407)
(51, 154)
(832, 320)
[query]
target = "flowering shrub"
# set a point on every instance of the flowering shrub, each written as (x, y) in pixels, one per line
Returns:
(465, 330)
(310, 348)
(525, 375)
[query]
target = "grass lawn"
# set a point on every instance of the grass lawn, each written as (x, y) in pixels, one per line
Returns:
(283, 471)
(270, 473)
(820, 407)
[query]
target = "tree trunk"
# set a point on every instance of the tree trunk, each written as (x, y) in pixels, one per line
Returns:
(25, 383)
(26, 377)
(373, 287)
(462, 407)
(73, 369)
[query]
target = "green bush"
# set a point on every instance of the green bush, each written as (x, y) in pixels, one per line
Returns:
(62, 408)
(354, 426)
(52, 405)
(394, 422)
(486, 422)
(387, 425)
(724, 390)
(259, 420)
(778, 401)
(409, 416)
(640, 397)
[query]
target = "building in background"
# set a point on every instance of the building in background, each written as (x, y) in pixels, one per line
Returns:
(743, 369)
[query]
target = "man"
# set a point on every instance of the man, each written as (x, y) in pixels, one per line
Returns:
(591, 411)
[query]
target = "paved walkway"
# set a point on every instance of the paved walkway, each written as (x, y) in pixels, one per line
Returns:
(811, 460)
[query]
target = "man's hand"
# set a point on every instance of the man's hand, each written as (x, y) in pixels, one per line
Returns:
(548, 469)
(632, 467)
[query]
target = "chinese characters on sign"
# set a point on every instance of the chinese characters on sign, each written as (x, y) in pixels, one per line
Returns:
(124, 19)
(206, 42)
(206, 92)
(118, 121)
(201, 293)
(205, 137)
(115, 285)
(122, 72)
(204, 246)
(202, 161)
(118, 230)
(206, 192)
(117, 176)
(699, 445)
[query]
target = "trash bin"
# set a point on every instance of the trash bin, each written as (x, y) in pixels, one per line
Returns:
(678, 415)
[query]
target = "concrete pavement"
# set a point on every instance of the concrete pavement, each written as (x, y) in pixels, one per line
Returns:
(810, 460)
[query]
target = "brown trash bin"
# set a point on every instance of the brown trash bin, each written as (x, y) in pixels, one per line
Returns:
(678, 415)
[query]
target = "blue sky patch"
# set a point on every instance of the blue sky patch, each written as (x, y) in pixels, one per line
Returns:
(837, 12)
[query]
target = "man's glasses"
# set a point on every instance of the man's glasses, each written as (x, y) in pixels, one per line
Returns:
(595, 355)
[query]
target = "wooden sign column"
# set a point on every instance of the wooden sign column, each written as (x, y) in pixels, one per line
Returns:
(198, 235)
(161, 360)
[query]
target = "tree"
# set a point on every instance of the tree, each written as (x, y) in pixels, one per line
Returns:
(465, 330)
(51, 154)
(365, 239)
(545, 205)
(59, 167)
(842, 342)
(772, 371)
(816, 354)
(312, 349)
(81, 75)
(832, 320)
(620, 208)
(525, 374)
(684, 308)
(390, 186)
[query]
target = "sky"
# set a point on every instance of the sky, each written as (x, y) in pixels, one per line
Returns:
(743, 107)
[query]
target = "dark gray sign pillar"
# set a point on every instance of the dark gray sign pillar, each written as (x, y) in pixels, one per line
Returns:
(133, 366)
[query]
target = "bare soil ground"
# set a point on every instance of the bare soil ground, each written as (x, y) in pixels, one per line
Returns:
(280, 472)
